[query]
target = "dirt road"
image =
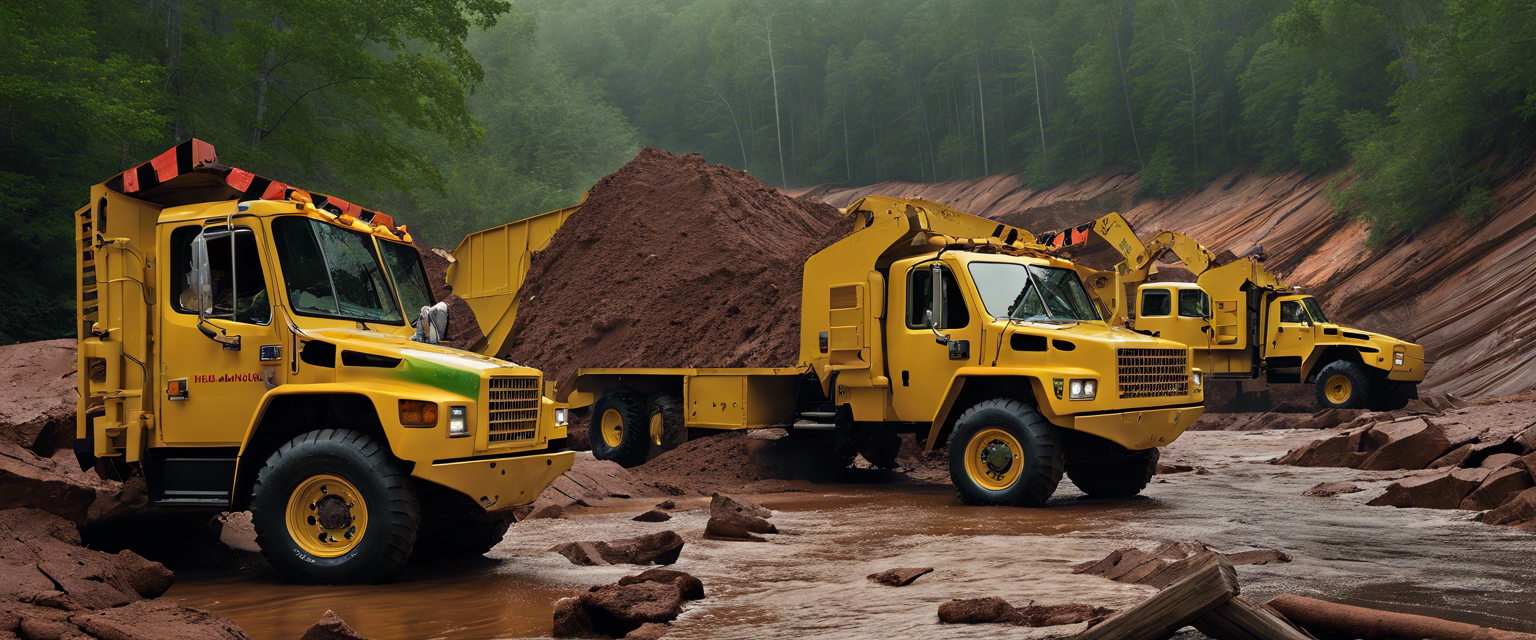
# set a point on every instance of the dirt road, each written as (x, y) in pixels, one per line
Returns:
(810, 580)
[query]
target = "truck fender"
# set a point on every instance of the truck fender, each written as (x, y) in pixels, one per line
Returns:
(246, 467)
(943, 420)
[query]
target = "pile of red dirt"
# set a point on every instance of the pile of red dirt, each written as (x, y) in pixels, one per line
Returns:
(463, 330)
(672, 262)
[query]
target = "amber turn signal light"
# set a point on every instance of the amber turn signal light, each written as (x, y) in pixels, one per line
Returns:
(418, 413)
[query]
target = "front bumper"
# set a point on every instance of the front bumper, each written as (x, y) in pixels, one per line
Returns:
(1140, 429)
(498, 484)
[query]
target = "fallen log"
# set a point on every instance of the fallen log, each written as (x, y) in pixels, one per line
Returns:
(1239, 619)
(1204, 589)
(1330, 619)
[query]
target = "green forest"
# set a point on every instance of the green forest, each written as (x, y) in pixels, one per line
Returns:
(454, 115)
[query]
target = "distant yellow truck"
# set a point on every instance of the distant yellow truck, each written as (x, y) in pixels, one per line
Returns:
(1256, 327)
(247, 345)
(924, 320)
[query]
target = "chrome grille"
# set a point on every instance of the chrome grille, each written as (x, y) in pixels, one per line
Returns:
(513, 409)
(1153, 373)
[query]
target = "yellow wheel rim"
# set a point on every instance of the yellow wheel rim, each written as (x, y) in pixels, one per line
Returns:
(1338, 388)
(658, 428)
(994, 459)
(613, 427)
(327, 516)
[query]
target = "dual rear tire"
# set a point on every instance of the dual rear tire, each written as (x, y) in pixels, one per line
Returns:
(630, 427)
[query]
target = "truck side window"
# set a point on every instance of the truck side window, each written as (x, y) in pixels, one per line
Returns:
(241, 290)
(1291, 311)
(1193, 303)
(920, 300)
(1156, 302)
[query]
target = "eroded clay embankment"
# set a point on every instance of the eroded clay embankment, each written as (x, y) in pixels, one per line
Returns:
(1461, 289)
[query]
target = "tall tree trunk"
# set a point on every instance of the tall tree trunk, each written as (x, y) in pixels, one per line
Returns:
(847, 156)
(1039, 110)
(981, 99)
(1194, 109)
(773, 71)
(1125, 91)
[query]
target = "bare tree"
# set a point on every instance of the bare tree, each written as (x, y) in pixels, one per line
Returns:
(773, 71)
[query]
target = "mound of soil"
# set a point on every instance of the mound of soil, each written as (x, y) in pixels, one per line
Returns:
(672, 262)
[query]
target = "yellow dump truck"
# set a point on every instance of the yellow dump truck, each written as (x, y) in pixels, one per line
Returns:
(923, 320)
(247, 345)
(1243, 323)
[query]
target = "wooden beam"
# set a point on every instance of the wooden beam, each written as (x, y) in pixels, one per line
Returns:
(1239, 619)
(1331, 618)
(1173, 608)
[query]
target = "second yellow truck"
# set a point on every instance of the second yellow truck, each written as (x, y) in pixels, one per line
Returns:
(924, 320)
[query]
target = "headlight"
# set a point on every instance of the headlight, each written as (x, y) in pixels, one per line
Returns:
(560, 417)
(1397, 358)
(1083, 389)
(457, 425)
(1196, 376)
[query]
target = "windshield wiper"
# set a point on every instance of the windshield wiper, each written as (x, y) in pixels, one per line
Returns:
(1039, 293)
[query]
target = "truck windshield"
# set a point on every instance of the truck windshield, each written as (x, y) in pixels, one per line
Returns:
(404, 264)
(333, 272)
(1315, 309)
(1006, 287)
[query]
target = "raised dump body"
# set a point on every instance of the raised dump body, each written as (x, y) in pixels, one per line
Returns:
(930, 321)
(245, 345)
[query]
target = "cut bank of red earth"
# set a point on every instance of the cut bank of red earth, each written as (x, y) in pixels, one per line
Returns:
(1461, 289)
(672, 262)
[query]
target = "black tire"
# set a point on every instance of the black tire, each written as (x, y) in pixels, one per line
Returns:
(879, 447)
(453, 526)
(1391, 395)
(669, 409)
(380, 481)
(1343, 385)
(1103, 469)
(1040, 453)
(632, 443)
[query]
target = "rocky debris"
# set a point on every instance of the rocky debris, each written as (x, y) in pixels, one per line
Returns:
(670, 245)
(463, 331)
(1410, 444)
(654, 515)
(550, 511)
(666, 505)
(1517, 511)
(900, 577)
(1444, 491)
(997, 610)
(1164, 468)
(1169, 562)
(655, 548)
(734, 519)
(50, 586)
(590, 480)
(1500, 485)
(1330, 489)
(37, 411)
(636, 607)
(332, 627)
(692, 588)
(236, 531)
(58, 486)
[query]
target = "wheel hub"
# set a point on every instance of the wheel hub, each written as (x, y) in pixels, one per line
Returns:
(326, 516)
(332, 512)
(998, 457)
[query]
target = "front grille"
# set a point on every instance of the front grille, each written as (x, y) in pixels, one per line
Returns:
(514, 409)
(1153, 373)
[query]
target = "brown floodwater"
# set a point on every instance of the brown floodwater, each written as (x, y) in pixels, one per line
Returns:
(810, 580)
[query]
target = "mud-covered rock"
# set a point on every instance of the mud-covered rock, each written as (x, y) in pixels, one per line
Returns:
(1498, 460)
(1342, 450)
(156, 620)
(37, 408)
(616, 610)
(1498, 488)
(1412, 444)
(900, 577)
(997, 610)
(976, 611)
(332, 627)
(648, 631)
(1444, 491)
(655, 548)
(571, 619)
(1330, 489)
(58, 486)
(1454, 458)
(691, 588)
(666, 505)
(737, 519)
(1050, 615)
(1518, 511)
(236, 531)
(548, 511)
(654, 515)
(1169, 562)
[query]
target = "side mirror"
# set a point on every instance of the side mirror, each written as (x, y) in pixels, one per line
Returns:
(202, 278)
(936, 307)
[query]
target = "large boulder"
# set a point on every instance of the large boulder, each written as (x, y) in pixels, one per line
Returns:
(616, 610)
(1444, 491)
(37, 407)
(976, 611)
(1169, 562)
(1341, 450)
(1518, 511)
(1498, 488)
(692, 588)
(58, 486)
(734, 519)
(655, 548)
(1411, 444)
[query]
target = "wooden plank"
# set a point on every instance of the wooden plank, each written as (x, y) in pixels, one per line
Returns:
(1172, 608)
(1239, 619)
(1331, 618)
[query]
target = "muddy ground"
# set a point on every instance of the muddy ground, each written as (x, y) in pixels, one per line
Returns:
(836, 529)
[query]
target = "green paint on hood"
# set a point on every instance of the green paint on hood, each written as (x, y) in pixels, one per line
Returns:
(441, 376)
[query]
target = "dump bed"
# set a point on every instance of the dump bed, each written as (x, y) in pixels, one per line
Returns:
(489, 267)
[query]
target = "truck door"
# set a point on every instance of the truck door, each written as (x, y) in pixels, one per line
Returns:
(210, 388)
(921, 369)
(1291, 337)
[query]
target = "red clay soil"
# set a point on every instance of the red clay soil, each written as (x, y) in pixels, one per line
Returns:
(463, 331)
(37, 395)
(672, 262)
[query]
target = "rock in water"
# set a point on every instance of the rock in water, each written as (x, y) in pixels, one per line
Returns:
(1498, 488)
(654, 515)
(737, 519)
(648, 631)
(692, 588)
(900, 577)
(1413, 444)
(616, 610)
(1330, 489)
(332, 627)
(977, 611)
(1519, 511)
(571, 619)
(655, 548)
(1444, 491)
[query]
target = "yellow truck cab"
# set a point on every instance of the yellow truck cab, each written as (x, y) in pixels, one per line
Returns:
(1243, 323)
(247, 345)
(923, 320)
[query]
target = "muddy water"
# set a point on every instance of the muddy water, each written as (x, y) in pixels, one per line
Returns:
(810, 580)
